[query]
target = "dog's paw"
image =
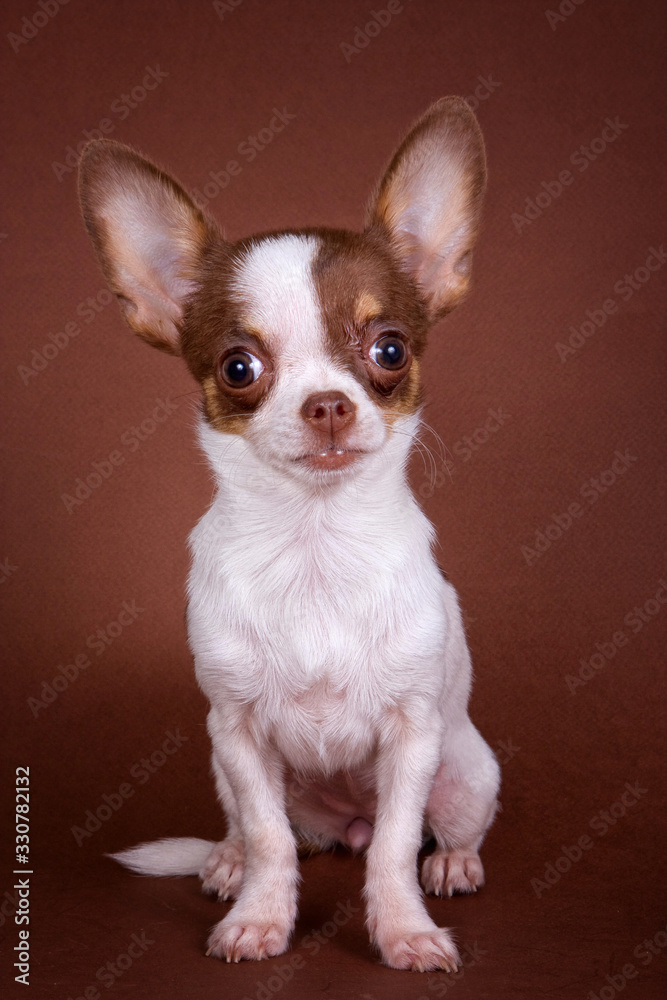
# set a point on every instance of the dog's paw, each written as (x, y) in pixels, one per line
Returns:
(223, 872)
(233, 939)
(425, 951)
(447, 872)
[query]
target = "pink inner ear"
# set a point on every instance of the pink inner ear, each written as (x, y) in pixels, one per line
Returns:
(430, 199)
(151, 241)
(149, 237)
(151, 288)
(442, 276)
(150, 312)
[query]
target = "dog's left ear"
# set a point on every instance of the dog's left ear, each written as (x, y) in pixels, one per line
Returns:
(428, 203)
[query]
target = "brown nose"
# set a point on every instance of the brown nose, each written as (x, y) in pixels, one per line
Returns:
(328, 412)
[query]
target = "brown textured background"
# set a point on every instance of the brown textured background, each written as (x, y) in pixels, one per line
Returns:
(567, 756)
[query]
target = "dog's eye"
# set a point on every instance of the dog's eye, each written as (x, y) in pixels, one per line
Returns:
(389, 352)
(240, 369)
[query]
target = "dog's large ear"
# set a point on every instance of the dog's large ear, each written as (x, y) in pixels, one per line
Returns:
(149, 237)
(428, 202)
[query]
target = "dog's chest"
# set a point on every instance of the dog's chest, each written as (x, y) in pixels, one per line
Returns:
(304, 605)
(321, 628)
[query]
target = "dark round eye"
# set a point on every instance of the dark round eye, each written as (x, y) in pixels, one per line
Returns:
(389, 352)
(240, 369)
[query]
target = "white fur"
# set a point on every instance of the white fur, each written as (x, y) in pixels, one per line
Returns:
(175, 856)
(329, 645)
(276, 288)
(328, 642)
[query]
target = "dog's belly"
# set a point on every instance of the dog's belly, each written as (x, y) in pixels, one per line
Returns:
(328, 746)
(339, 809)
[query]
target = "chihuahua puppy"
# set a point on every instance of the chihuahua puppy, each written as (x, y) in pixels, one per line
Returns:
(329, 645)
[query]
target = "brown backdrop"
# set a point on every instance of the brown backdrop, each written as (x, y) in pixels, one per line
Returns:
(561, 340)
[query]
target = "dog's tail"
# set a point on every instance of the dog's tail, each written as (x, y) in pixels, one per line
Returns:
(173, 856)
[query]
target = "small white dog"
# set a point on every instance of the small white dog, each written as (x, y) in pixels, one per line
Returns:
(327, 641)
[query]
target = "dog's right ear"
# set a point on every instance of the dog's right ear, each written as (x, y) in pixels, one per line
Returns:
(429, 202)
(149, 236)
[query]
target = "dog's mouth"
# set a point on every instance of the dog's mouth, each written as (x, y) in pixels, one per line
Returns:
(330, 459)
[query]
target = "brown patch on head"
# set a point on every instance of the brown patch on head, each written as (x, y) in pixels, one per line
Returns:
(410, 399)
(216, 328)
(215, 411)
(366, 308)
(378, 291)
(365, 296)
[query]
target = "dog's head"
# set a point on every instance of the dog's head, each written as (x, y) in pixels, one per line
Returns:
(305, 343)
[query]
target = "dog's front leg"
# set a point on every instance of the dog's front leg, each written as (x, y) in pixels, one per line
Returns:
(408, 756)
(261, 921)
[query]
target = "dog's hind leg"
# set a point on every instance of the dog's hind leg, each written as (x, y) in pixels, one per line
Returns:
(460, 809)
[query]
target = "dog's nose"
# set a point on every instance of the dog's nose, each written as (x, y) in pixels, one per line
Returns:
(328, 412)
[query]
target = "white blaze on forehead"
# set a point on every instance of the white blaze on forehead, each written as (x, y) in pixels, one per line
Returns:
(278, 299)
(275, 284)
